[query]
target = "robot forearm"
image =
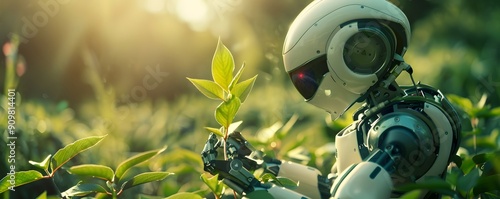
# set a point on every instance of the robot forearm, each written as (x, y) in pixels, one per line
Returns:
(235, 171)
(310, 181)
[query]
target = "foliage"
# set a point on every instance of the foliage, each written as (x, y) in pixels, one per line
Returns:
(115, 180)
(232, 92)
(224, 87)
(227, 88)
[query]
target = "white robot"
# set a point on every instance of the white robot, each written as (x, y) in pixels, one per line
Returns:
(337, 53)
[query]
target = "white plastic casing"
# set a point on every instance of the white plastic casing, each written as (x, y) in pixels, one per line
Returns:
(346, 143)
(365, 180)
(310, 37)
(307, 178)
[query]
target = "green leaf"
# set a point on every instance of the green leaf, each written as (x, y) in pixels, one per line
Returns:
(412, 195)
(236, 78)
(184, 195)
(286, 182)
(139, 158)
(266, 177)
(145, 178)
(280, 181)
(42, 196)
(222, 66)
(216, 131)
(234, 126)
(259, 194)
(432, 183)
(42, 165)
(93, 170)
(226, 111)
(83, 190)
(21, 178)
(213, 183)
(183, 158)
(71, 150)
(462, 102)
(495, 112)
(242, 89)
(468, 181)
(208, 88)
(484, 157)
(454, 173)
(487, 183)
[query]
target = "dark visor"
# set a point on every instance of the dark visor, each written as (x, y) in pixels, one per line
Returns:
(307, 77)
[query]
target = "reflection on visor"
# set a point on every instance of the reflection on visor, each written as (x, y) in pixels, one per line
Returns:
(307, 78)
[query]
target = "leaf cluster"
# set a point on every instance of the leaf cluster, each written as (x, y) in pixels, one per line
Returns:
(225, 87)
(116, 180)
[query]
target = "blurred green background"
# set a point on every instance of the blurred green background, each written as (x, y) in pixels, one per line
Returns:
(119, 67)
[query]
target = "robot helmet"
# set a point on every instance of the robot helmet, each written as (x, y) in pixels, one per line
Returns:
(336, 50)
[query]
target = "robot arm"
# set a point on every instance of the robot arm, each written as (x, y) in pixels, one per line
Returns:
(353, 182)
(367, 179)
(235, 171)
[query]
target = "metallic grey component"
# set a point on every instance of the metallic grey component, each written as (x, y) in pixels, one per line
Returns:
(367, 51)
(405, 133)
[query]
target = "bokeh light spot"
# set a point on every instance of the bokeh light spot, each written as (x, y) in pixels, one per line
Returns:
(194, 12)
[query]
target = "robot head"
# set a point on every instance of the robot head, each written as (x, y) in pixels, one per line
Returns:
(336, 50)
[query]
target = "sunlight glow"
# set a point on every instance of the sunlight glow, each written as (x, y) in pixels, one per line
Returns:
(155, 6)
(194, 12)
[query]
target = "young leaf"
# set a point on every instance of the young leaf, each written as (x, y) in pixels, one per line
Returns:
(216, 131)
(222, 66)
(267, 177)
(234, 126)
(280, 181)
(21, 178)
(83, 190)
(184, 195)
(243, 88)
(42, 165)
(42, 196)
(145, 178)
(71, 150)
(93, 170)
(225, 112)
(213, 183)
(236, 78)
(286, 182)
(208, 88)
(139, 158)
(412, 194)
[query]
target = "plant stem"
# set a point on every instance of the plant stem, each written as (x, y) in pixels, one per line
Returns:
(226, 132)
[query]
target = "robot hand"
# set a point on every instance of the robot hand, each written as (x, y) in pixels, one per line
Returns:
(234, 171)
(241, 158)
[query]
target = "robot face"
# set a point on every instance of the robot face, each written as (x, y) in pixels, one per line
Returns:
(308, 77)
(337, 50)
(359, 53)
